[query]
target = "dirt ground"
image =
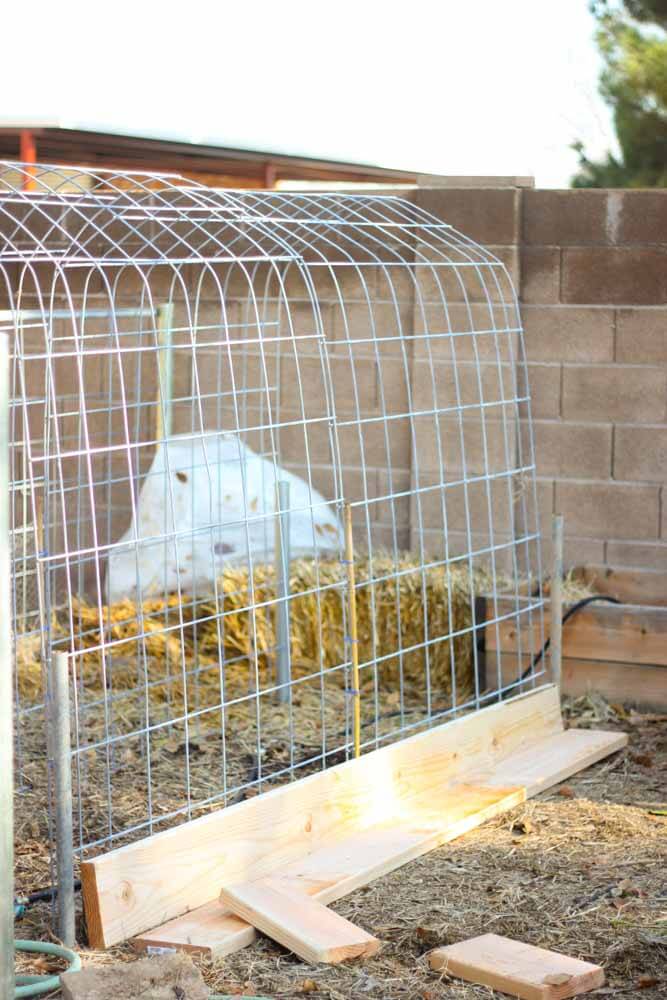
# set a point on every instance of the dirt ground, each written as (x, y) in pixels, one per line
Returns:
(581, 869)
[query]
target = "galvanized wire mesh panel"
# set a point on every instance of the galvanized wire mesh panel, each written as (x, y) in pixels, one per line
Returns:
(202, 380)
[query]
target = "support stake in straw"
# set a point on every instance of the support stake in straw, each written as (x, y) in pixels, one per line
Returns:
(354, 639)
(282, 558)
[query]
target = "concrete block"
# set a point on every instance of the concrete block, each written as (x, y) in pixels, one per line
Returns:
(486, 215)
(615, 275)
(641, 336)
(642, 216)
(577, 551)
(544, 386)
(446, 446)
(372, 329)
(395, 507)
(540, 274)
(572, 450)
(609, 510)
(640, 453)
(565, 218)
(466, 277)
(568, 333)
(634, 554)
(352, 281)
(487, 504)
(614, 393)
(466, 331)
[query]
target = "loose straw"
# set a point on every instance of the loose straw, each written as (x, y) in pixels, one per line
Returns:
(354, 642)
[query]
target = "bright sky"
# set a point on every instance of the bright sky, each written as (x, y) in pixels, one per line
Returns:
(465, 87)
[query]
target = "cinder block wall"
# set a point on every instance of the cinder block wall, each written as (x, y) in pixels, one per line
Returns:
(593, 286)
(590, 268)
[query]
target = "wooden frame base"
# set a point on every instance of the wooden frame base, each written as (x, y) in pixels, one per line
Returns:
(332, 832)
(616, 650)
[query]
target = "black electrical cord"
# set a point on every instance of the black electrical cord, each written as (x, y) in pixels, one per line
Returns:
(44, 895)
(566, 617)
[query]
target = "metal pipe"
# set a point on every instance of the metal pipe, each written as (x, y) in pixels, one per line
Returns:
(282, 557)
(165, 322)
(352, 624)
(62, 763)
(556, 644)
(6, 701)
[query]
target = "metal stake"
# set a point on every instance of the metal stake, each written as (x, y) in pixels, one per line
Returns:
(282, 550)
(6, 701)
(62, 763)
(557, 601)
(352, 625)
(165, 322)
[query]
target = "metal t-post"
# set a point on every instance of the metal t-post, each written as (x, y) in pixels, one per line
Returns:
(557, 601)
(62, 763)
(165, 400)
(282, 557)
(6, 701)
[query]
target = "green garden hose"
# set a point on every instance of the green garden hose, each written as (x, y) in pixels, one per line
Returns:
(34, 986)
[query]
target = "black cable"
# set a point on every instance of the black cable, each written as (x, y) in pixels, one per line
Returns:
(41, 895)
(566, 617)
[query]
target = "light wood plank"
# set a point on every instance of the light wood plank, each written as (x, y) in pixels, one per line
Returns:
(207, 930)
(335, 869)
(300, 923)
(556, 758)
(142, 885)
(519, 969)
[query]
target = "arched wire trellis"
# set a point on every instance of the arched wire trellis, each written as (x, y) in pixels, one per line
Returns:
(201, 381)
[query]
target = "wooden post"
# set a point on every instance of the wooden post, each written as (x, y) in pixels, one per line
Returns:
(352, 627)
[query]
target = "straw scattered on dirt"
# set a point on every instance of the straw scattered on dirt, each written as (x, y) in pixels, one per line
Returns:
(581, 869)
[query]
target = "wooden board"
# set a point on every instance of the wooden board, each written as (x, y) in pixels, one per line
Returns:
(632, 586)
(598, 632)
(142, 885)
(207, 930)
(311, 930)
(639, 684)
(519, 969)
(333, 871)
(636, 683)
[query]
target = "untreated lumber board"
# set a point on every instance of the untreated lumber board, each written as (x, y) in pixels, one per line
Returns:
(311, 930)
(207, 930)
(520, 969)
(334, 871)
(627, 633)
(141, 885)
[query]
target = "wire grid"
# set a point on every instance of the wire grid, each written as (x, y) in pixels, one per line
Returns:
(180, 355)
